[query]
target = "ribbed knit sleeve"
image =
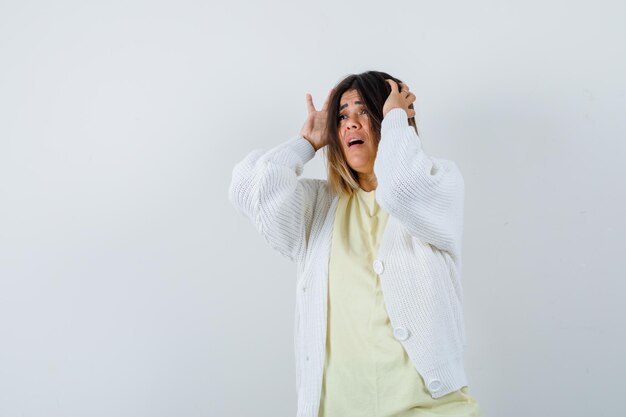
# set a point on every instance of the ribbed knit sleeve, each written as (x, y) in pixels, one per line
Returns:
(425, 193)
(266, 188)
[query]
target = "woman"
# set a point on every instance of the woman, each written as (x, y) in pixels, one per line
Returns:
(379, 325)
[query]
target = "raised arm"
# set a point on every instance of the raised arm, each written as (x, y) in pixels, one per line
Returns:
(426, 194)
(266, 187)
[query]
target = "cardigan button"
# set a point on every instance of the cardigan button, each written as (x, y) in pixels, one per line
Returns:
(378, 266)
(434, 385)
(401, 333)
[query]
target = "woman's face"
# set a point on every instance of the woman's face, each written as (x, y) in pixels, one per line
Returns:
(357, 139)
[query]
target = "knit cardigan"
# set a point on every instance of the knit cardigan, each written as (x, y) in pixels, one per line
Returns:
(418, 260)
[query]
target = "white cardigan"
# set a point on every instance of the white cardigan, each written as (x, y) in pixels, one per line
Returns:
(418, 261)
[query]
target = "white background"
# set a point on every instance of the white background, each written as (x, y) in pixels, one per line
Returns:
(129, 286)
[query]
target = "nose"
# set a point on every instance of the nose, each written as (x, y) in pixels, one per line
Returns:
(352, 123)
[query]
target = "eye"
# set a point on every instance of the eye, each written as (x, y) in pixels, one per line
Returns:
(343, 116)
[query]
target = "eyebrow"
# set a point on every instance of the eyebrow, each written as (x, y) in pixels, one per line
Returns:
(343, 106)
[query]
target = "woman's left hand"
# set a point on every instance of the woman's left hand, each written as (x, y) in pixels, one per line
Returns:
(401, 99)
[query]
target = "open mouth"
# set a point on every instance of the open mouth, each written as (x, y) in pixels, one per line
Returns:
(355, 141)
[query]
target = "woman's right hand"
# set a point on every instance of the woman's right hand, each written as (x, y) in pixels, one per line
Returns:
(315, 123)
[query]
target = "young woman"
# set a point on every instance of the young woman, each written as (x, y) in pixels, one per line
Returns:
(379, 325)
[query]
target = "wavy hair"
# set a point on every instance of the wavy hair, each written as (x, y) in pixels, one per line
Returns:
(374, 90)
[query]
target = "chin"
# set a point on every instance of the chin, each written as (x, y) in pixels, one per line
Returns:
(362, 169)
(361, 165)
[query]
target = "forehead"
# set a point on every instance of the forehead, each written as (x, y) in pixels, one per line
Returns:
(349, 97)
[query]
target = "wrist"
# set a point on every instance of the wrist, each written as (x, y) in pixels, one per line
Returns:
(315, 148)
(304, 148)
(395, 118)
(387, 111)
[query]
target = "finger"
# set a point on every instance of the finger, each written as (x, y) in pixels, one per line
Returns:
(404, 87)
(309, 103)
(411, 97)
(410, 113)
(325, 106)
(394, 86)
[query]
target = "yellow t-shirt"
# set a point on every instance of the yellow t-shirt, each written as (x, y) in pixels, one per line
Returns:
(367, 372)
